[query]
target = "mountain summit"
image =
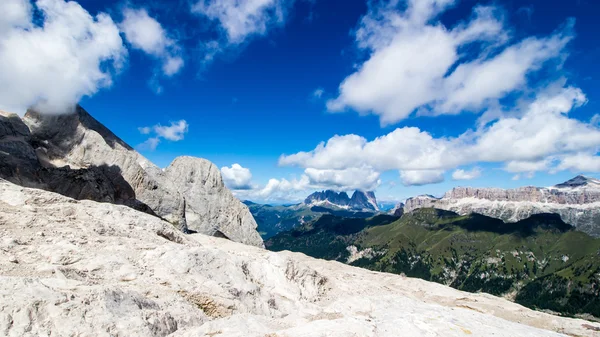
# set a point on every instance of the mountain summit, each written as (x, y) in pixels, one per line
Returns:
(359, 201)
(580, 181)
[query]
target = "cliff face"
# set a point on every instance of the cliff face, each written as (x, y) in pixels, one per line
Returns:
(77, 156)
(210, 206)
(577, 201)
(339, 199)
(71, 267)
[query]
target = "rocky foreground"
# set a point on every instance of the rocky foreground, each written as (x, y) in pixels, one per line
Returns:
(82, 268)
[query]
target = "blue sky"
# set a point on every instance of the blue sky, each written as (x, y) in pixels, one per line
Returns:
(448, 84)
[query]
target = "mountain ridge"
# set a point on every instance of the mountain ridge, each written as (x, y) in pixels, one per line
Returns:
(577, 201)
(360, 200)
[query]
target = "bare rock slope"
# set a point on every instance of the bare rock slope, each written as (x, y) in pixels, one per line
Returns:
(577, 201)
(84, 268)
(82, 153)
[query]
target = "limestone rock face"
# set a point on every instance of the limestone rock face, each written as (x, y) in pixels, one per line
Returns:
(577, 201)
(80, 141)
(360, 201)
(190, 191)
(82, 268)
(20, 164)
(210, 207)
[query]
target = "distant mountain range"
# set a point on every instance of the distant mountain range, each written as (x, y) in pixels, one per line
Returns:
(360, 201)
(577, 201)
(273, 219)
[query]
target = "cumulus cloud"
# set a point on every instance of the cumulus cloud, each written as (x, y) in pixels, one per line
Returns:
(461, 174)
(296, 189)
(53, 60)
(580, 162)
(145, 33)
(364, 178)
(239, 20)
(529, 139)
(237, 177)
(416, 63)
(277, 190)
(421, 177)
(174, 132)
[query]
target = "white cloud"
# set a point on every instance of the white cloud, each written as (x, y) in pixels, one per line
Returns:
(147, 34)
(417, 63)
(318, 93)
(580, 162)
(461, 174)
(174, 132)
(172, 65)
(520, 176)
(595, 120)
(237, 177)
(150, 144)
(58, 58)
(518, 166)
(239, 20)
(15, 13)
(145, 130)
(277, 190)
(421, 177)
(529, 139)
(364, 178)
(285, 190)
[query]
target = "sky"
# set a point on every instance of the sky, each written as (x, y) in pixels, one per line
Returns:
(403, 97)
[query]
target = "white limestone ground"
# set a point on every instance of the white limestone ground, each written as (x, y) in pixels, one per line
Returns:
(81, 268)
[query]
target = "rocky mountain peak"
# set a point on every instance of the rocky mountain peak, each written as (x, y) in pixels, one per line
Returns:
(580, 181)
(359, 201)
(339, 199)
(364, 200)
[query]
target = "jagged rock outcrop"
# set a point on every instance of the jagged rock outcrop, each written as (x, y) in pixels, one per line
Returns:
(398, 210)
(360, 201)
(77, 156)
(80, 141)
(20, 164)
(340, 199)
(364, 201)
(577, 201)
(210, 206)
(82, 268)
